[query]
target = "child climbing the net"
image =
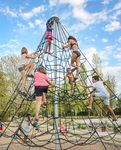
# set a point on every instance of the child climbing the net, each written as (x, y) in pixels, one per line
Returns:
(102, 93)
(25, 65)
(71, 78)
(73, 45)
(48, 36)
(41, 84)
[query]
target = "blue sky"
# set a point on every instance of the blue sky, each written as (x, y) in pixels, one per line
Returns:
(95, 23)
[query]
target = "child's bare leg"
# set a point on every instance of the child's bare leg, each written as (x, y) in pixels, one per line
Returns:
(78, 66)
(49, 45)
(44, 98)
(46, 48)
(91, 100)
(72, 88)
(38, 104)
(73, 59)
(30, 67)
(23, 82)
(112, 112)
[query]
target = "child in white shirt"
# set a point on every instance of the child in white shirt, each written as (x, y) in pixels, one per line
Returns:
(102, 93)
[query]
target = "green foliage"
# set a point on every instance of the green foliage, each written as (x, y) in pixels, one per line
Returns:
(81, 126)
(9, 78)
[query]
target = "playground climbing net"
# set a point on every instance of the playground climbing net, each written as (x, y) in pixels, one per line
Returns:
(62, 127)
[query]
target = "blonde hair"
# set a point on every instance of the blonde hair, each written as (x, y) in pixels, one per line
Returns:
(24, 50)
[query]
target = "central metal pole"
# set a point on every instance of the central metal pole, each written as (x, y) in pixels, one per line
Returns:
(56, 122)
(55, 19)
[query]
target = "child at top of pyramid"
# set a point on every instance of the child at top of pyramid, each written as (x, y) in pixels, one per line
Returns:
(100, 92)
(71, 78)
(48, 36)
(41, 83)
(25, 64)
(73, 45)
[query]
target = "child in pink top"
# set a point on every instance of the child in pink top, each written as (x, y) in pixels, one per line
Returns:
(48, 36)
(41, 84)
(62, 128)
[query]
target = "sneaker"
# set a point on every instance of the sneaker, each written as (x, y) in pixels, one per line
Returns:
(48, 52)
(36, 125)
(22, 93)
(33, 97)
(30, 75)
(114, 119)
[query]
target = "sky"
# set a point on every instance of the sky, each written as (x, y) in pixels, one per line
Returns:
(95, 23)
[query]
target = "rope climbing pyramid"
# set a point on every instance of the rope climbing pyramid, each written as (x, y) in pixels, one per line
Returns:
(67, 122)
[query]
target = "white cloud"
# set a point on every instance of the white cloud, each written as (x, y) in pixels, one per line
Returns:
(13, 46)
(117, 6)
(106, 2)
(114, 71)
(116, 15)
(31, 25)
(119, 39)
(88, 18)
(21, 27)
(71, 2)
(104, 40)
(106, 53)
(113, 26)
(78, 11)
(118, 56)
(89, 53)
(8, 11)
(53, 2)
(33, 12)
(40, 23)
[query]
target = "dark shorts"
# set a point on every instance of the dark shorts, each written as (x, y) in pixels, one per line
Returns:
(39, 90)
(20, 69)
(77, 53)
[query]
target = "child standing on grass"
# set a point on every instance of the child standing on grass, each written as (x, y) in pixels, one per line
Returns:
(24, 65)
(41, 84)
(70, 76)
(102, 93)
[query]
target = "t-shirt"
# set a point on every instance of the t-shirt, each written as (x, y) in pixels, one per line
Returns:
(40, 79)
(99, 86)
(23, 60)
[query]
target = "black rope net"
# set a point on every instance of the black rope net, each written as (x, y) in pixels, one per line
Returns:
(79, 130)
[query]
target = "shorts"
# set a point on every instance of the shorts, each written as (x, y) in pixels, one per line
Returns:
(48, 35)
(77, 53)
(39, 90)
(104, 96)
(21, 68)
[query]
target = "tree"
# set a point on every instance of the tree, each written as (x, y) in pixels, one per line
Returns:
(97, 64)
(98, 71)
(111, 87)
(9, 65)
(3, 91)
